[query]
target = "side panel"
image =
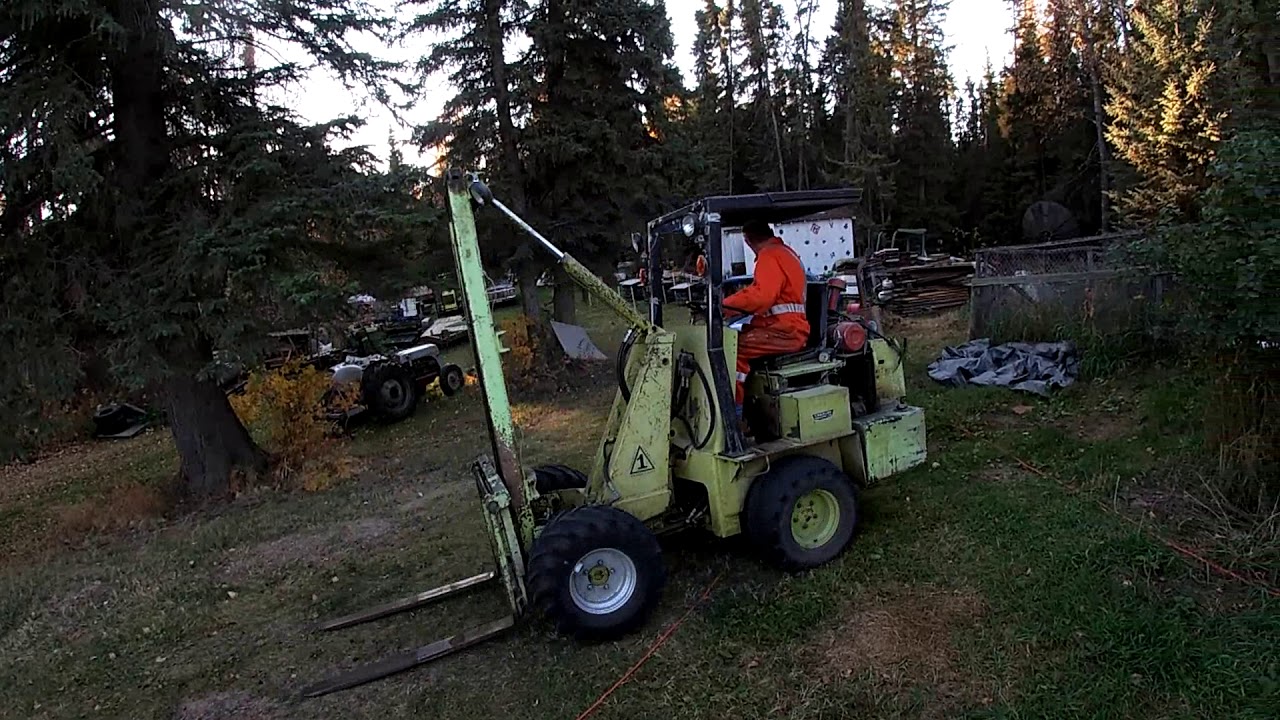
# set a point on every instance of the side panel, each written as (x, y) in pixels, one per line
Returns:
(894, 441)
(891, 384)
(638, 470)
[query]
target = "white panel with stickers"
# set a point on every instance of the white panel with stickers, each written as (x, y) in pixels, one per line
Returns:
(819, 243)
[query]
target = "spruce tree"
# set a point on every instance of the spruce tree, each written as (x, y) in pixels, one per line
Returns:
(856, 135)
(160, 213)
(713, 103)
(1170, 102)
(478, 126)
(763, 30)
(594, 139)
(922, 145)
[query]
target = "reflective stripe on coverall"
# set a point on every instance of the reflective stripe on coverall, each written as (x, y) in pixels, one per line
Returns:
(776, 298)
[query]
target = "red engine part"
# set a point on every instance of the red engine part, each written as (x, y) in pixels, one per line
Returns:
(853, 308)
(849, 337)
(835, 289)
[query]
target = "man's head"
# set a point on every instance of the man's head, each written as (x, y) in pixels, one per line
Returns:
(756, 232)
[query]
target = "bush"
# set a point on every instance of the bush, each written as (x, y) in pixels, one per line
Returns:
(284, 410)
(1228, 268)
(534, 361)
(1229, 263)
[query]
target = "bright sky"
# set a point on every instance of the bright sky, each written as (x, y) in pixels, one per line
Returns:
(976, 30)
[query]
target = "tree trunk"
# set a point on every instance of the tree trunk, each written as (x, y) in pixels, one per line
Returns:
(564, 304)
(214, 447)
(1099, 117)
(511, 164)
(1104, 156)
(527, 282)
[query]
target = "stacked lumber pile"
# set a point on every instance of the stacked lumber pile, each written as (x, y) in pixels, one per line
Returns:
(908, 284)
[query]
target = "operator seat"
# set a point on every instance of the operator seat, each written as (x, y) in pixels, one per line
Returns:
(817, 301)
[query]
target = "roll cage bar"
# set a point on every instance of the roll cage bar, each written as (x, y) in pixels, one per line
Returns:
(708, 217)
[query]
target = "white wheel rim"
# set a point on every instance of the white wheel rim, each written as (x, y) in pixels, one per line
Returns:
(602, 581)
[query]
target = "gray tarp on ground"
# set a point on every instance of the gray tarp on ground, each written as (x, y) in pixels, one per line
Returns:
(1031, 367)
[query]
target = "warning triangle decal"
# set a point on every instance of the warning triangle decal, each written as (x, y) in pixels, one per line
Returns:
(641, 464)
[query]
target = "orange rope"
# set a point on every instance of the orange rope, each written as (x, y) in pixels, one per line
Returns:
(658, 643)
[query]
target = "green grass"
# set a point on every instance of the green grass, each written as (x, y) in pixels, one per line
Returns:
(975, 588)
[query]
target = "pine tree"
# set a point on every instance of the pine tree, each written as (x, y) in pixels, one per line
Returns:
(1170, 103)
(593, 142)
(478, 126)
(922, 146)
(857, 135)
(159, 212)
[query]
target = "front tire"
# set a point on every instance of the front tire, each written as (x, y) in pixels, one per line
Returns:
(596, 573)
(802, 513)
(452, 380)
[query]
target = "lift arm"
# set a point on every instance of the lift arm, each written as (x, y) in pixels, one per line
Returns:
(585, 279)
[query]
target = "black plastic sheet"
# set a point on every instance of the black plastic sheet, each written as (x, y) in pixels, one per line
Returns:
(1036, 368)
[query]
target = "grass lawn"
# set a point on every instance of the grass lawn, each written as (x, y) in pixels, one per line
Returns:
(1018, 573)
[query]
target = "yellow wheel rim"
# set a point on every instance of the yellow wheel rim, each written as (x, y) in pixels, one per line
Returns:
(815, 519)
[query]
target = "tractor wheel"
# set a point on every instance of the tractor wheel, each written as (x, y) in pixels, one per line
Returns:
(802, 512)
(452, 379)
(550, 478)
(596, 572)
(389, 392)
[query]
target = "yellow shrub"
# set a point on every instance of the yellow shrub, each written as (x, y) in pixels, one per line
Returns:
(284, 410)
(521, 340)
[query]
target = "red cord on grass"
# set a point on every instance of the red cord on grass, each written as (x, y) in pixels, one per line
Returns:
(658, 643)
(1273, 592)
(1181, 550)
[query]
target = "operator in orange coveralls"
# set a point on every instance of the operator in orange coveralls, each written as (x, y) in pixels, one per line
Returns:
(776, 299)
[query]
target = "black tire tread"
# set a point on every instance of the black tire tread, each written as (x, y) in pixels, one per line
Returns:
(560, 544)
(772, 496)
(551, 478)
(372, 383)
(444, 386)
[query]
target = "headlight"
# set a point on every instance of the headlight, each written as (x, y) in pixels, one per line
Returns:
(688, 225)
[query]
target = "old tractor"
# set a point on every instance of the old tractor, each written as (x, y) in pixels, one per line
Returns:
(581, 549)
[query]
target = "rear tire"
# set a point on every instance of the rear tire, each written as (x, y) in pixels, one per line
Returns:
(452, 380)
(389, 392)
(802, 513)
(596, 573)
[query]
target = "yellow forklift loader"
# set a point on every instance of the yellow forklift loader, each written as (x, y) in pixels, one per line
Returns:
(581, 550)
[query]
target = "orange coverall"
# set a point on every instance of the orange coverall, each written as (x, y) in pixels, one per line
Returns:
(776, 298)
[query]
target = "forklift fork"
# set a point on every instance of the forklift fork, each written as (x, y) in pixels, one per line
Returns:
(505, 492)
(503, 535)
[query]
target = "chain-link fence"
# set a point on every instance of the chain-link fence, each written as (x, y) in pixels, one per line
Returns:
(1048, 290)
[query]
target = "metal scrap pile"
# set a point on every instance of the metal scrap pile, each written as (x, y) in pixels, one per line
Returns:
(908, 284)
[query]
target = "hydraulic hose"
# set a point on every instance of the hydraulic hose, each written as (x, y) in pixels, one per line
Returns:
(624, 353)
(706, 388)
